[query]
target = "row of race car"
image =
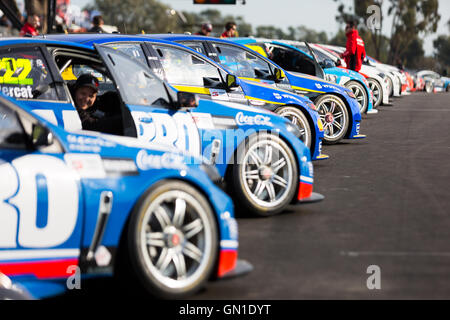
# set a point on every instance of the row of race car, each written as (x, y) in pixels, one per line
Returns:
(205, 127)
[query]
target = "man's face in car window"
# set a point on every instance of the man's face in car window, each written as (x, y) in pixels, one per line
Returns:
(85, 97)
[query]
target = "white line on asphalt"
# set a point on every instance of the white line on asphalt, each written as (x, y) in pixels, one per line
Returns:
(394, 253)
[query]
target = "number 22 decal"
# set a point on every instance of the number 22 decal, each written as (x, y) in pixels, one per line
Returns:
(15, 71)
(30, 181)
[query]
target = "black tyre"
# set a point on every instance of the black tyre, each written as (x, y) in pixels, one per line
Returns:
(172, 240)
(360, 94)
(334, 116)
(297, 118)
(264, 176)
(377, 90)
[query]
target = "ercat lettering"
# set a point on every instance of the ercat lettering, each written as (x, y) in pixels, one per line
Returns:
(191, 310)
(258, 119)
(17, 92)
(168, 160)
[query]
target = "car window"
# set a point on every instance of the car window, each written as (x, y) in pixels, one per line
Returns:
(24, 74)
(321, 56)
(197, 46)
(11, 132)
(242, 63)
(183, 68)
(134, 50)
(72, 72)
(138, 85)
(291, 59)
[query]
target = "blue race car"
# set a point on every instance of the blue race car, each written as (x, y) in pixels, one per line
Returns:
(298, 56)
(190, 71)
(76, 204)
(337, 107)
(259, 155)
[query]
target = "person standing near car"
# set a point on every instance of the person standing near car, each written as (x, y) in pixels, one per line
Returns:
(30, 28)
(98, 23)
(230, 30)
(352, 56)
(205, 30)
(361, 50)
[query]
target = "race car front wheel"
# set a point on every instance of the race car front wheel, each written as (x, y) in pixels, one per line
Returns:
(375, 86)
(334, 115)
(299, 119)
(173, 240)
(264, 176)
(360, 94)
(391, 86)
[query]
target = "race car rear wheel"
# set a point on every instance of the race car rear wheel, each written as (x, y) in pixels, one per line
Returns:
(264, 176)
(360, 94)
(299, 119)
(173, 240)
(334, 115)
(377, 90)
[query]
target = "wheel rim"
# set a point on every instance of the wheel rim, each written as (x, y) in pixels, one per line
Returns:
(333, 116)
(267, 173)
(299, 122)
(175, 239)
(360, 96)
(376, 91)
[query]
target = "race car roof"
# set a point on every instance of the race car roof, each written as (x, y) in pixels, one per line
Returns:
(39, 40)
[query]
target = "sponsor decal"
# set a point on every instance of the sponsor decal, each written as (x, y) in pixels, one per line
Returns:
(87, 165)
(203, 120)
(277, 96)
(167, 160)
(218, 94)
(17, 92)
(16, 71)
(318, 86)
(258, 120)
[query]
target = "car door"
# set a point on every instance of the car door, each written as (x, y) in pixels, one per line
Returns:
(190, 72)
(41, 204)
(148, 101)
(245, 64)
(28, 74)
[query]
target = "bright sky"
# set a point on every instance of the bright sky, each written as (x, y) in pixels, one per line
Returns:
(317, 14)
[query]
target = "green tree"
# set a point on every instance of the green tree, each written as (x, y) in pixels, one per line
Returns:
(442, 50)
(270, 32)
(134, 16)
(411, 19)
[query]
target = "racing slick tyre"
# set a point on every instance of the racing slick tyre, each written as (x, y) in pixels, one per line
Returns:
(391, 86)
(360, 94)
(334, 116)
(377, 90)
(264, 176)
(172, 240)
(297, 118)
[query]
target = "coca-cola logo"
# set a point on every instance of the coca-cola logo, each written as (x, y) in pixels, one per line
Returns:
(167, 160)
(258, 120)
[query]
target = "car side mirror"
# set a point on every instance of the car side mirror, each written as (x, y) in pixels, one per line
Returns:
(187, 100)
(41, 136)
(279, 75)
(327, 63)
(232, 81)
